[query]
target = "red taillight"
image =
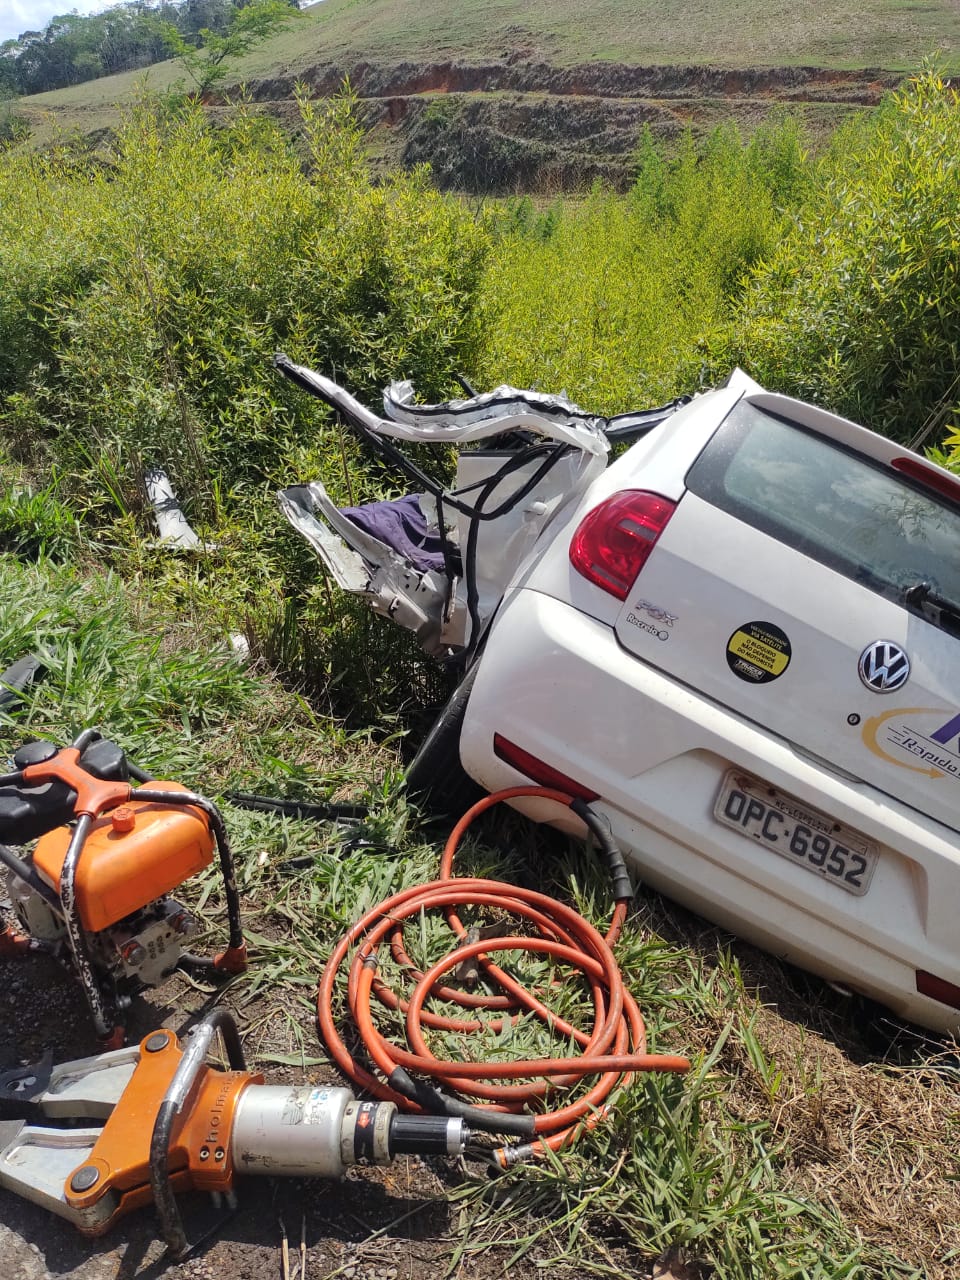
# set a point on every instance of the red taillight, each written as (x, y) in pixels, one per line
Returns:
(612, 543)
(928, 984)
(928, 477)
(539, 770)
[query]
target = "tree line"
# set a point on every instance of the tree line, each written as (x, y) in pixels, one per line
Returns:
(72, 47)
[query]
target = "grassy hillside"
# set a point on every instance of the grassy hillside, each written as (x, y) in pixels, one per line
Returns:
(893, 34)
(733, 33)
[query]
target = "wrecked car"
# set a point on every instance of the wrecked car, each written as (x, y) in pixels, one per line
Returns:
(738, 641)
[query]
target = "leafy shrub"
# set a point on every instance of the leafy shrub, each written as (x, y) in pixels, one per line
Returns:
(14, 127)
(858, 308)
(612, 302)
(37, 524)
(519, 216)
(140, 305)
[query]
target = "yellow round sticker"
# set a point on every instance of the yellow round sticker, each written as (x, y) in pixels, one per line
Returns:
(758, 652)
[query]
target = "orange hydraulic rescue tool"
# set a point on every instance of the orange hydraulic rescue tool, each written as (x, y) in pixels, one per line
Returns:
(94, 890)
(173, 1123)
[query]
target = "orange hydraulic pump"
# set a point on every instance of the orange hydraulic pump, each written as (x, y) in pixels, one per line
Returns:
(95, 890)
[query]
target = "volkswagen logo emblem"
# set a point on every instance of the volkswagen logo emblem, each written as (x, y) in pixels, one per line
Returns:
(883, 666)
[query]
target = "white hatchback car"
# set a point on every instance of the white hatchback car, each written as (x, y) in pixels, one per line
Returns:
(739, 642)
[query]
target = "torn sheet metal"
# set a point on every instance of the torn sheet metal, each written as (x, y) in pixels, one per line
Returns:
(493, 413)
(365, 566)
(533, 455)
(458, 421)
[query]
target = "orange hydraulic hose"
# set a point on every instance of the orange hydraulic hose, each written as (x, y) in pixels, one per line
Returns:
(613, 1050)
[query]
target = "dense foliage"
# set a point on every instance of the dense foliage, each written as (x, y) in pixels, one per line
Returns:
(834, 279)
(858, 307)
(141, 302)
(607, 299)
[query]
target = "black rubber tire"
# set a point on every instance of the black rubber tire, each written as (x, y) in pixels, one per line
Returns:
(436, 782)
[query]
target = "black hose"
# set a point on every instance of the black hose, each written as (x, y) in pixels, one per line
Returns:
(436, 1103)
(301, 809)
(620, 881)
(17, 678)
(83, 740)
(473, 532)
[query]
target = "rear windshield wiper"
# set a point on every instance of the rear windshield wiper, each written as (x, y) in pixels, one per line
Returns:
(933, 606)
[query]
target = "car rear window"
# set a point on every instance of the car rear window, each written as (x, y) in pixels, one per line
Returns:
(832, 504)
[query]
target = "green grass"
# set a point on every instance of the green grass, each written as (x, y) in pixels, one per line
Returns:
(169, 689)
(732, 33)
(716, 1165)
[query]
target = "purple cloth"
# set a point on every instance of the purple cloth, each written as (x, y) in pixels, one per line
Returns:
(401, 524)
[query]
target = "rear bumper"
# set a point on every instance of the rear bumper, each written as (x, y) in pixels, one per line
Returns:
(558, 684)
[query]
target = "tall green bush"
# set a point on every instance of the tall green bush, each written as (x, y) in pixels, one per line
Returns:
(612, 303)
(140, 302)
(859, 307)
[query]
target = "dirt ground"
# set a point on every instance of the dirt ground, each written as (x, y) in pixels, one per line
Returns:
(375, 1225)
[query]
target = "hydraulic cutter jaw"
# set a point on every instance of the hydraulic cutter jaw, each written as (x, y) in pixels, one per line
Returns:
(172, 1123)
(92, 1176)
(120, 1171)
(37, 1159)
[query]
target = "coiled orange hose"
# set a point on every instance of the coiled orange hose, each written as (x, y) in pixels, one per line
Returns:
(613, 1050)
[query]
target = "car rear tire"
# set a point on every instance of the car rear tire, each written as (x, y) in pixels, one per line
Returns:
(436, 782)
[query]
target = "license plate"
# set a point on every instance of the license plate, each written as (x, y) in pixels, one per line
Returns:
(791, 828)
